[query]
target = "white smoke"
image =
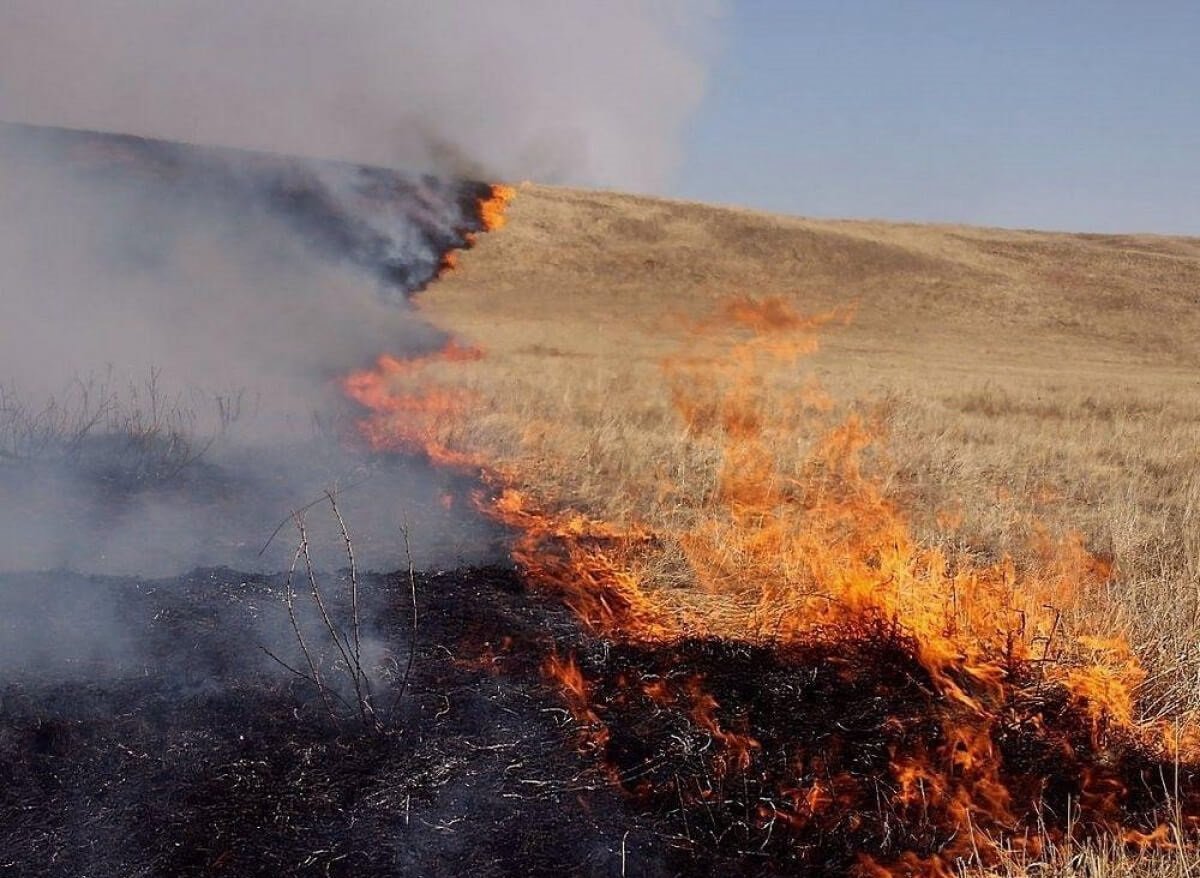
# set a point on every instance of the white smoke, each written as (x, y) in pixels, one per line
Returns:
(558, 91)
(239, 279)
(143, 281)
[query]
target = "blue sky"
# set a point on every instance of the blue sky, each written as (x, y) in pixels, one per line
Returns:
(1056, 114)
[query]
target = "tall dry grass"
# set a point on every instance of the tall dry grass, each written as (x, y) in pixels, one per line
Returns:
(1020, 383)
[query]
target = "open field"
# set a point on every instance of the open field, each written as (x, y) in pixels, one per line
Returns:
(1018, 373)
(1015, 384)
(833, 548)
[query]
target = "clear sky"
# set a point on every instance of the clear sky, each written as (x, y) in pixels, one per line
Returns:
(1059, 114)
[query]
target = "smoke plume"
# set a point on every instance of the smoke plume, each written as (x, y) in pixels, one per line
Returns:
(175, 323)
(175, 318)
(583, 93)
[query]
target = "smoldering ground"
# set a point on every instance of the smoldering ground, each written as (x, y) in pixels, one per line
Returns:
(185, 753)
(173, 319)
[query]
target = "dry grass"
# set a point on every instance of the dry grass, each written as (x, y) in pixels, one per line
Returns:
(1020, 378)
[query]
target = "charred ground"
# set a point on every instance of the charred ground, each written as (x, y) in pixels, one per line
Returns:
(185, 751)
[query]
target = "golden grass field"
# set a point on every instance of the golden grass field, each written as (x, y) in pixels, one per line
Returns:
(1017, 380)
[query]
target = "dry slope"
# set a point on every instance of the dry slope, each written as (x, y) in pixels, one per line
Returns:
(1013, 385)
(1022, 375)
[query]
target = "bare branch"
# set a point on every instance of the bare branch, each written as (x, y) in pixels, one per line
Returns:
(290, 598)
(325, 617)
(356, 649)
(412, 638)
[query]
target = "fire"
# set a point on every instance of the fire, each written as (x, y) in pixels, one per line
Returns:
(577, 692)
(586, 563)
(408, 414)
(990, 715)
(449, 262)
(736, 748)
(492, 208)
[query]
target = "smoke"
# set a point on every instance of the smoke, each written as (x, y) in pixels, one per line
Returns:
(575, 92)
(175, 323)
(189, 261)
(201, 281)
(174, 319)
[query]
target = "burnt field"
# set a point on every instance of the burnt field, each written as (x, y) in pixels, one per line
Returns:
(181, 748)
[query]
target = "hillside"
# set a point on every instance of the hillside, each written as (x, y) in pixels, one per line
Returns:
(714, 427)
(1017, 356)
(1006, 297)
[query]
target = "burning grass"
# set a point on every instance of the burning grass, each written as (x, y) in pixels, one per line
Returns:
(172, 746)
(802, 673)
(846, 756)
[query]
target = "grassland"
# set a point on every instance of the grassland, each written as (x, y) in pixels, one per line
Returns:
(1018, 380)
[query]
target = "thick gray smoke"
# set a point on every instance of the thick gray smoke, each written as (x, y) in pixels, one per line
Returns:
(578, 92)
(175, 322)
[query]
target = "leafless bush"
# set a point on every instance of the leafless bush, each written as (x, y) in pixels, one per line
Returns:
(341, 637)
(139, 432)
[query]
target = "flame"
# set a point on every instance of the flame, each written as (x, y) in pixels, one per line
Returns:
(566, 673)
(815, 554)
(492, 208)
(736, 748)
(586, 562)
(449, 261)
(408, 413)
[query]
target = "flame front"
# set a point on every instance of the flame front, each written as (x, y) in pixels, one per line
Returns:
(993, 718)
(493, 207)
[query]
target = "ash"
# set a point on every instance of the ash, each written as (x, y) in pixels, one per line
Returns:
(185, 750)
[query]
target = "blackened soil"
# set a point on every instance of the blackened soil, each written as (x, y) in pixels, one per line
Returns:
(757, 759)
(143, 731)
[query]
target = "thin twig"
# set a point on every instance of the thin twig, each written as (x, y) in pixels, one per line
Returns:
(329, 626)
(412, 636)
(307, 506)
(290, 598)
(356, 649)
(302, 675)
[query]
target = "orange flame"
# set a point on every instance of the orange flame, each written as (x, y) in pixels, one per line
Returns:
(492, 208)
(448, 262)
(736, 748)
(585, 562)
(805, 555)
(407, 413)
(566, 673)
